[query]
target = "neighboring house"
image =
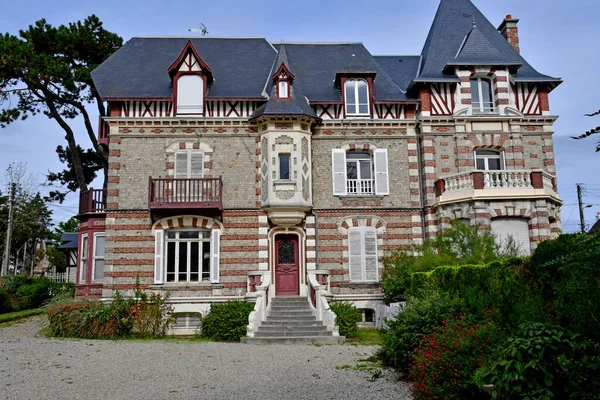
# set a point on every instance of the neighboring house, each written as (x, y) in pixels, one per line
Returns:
(240, 168)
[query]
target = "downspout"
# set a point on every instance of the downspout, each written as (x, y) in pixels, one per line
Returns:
(421, 183)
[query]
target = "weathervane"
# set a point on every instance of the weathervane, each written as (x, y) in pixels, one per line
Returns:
(202, 30)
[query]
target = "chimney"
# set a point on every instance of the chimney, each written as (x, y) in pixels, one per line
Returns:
(508, 29)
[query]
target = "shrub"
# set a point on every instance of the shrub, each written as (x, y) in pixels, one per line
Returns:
(5, 300)
(227, 321)
(543, 361)
(33, 294)
(346, 317)
(142, 316)
(406, 330)
(444, 365)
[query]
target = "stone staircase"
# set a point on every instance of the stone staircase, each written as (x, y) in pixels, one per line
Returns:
(291, 321)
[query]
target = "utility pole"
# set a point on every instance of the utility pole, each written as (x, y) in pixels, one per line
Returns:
(581, 218)
(9, 228)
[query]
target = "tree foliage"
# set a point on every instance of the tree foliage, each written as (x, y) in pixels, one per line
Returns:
(47, 70)
(591, 131)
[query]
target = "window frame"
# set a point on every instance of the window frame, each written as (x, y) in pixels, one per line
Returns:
(487, 157)
(280, 85)
(189, 173)
(96, 257)
(380, 181)
(480, 107)
(363, 232)
(199, 107)
(364, 186)
(84, 255)
(357, 103)
(161, 256)
(279, 165)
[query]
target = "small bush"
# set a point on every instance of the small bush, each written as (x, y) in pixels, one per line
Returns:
(5, 300)
(141, 316)
(227, 321)
(404, 333)
(34, 294)
(543, 361)
(346, 317)
(444, 365)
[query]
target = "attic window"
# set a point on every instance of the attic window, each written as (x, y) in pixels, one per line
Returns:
(356, 97)
(283, 89)
(190, 94)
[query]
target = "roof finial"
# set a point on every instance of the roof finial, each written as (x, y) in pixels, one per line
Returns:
(474, 25)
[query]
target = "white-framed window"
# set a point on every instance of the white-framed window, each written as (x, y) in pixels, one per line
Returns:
(360, 173)
(190, 95)
(356, 93)
(362, 254)
(482, 97)
(186, 256)
(283, 89)
(189, 163)
(285, 166)
(489, 160)
(85, 247)
(98, 258)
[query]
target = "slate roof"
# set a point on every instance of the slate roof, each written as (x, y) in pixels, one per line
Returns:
(402, 69)
(139, 68)
(297, 104)
(69, 240)
(242, 67)
(450, 29)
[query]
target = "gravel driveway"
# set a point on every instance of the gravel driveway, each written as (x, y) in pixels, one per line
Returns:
(35, 367)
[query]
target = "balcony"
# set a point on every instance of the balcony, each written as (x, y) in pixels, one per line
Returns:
(92, 201)
(490, 185)
(360, 187)
(191, 194)
(102, 132)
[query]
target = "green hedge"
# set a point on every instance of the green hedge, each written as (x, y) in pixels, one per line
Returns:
(346, 317)
(19, 292)
(227, 321)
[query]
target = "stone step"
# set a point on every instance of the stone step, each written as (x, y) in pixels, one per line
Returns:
(291, 334)
(298, 317)
(290, 306)
(291, 323)
(296, 312)
(282, 328)
(295, 340)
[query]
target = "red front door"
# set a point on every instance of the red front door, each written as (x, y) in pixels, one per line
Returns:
(286, 265)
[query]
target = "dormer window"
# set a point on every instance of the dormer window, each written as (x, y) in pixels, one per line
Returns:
(356, 97)
(191, 77)
(283, 89)
(482, 98)
(190, 95)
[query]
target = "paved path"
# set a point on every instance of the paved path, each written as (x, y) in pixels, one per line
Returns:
(35, 367)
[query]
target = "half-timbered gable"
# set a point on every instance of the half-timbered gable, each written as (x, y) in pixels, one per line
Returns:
(246, 170)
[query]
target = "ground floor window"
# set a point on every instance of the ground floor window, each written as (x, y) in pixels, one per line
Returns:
(512, 232)
(362, 254)
(368, 316)
(83, 258)
(186, 256)
(98, 263)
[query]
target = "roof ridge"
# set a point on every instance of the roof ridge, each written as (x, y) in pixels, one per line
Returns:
(198, 37)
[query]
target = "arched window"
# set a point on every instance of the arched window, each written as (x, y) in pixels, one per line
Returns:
(482, 97)
(190, 95)
(356, 92)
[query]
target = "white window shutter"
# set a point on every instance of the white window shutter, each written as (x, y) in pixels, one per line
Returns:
(196, 164)
(190, 94)
(355, 254)
(181, 164)
(370, 245)
(159, 250)
(338, 170)
(214, 255)
(382, 183)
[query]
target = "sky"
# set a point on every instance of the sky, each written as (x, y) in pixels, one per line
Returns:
(557, 38)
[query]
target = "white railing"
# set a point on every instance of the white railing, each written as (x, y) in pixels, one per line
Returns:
(484, 107)
(261, 307)
(360, 186)
(317, 299)
(62, 276)
(459, 182)
(507, 179)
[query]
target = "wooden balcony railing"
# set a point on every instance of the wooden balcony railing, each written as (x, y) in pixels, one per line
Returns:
(102, 131)
(165, 193)
(92, 201)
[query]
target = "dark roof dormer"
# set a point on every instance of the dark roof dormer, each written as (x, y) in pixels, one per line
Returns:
(282, 79)
(190, 62)
(356, 66)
